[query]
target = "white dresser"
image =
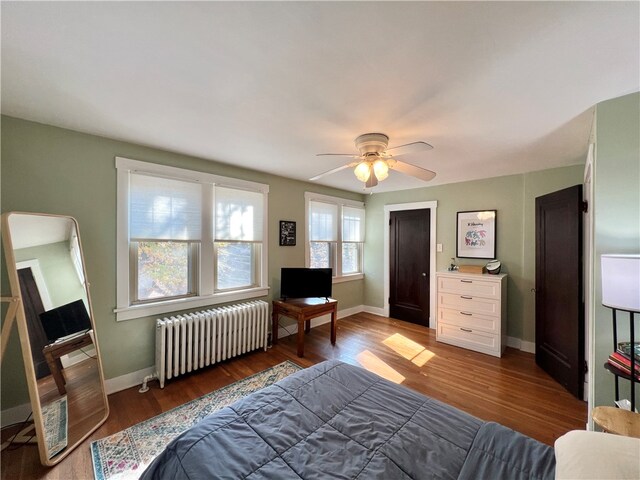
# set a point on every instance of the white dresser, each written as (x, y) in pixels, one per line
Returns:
(472, 311)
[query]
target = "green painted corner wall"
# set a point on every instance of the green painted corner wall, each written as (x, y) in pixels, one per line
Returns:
(58, 272)
(52, 170)
(513, 197)
(616, 221)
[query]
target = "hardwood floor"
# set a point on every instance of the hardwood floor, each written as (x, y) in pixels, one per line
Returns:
(510, 390)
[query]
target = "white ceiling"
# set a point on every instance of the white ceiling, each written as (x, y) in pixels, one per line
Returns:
(497, 88)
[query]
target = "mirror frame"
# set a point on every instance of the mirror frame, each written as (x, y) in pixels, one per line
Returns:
(25, 344)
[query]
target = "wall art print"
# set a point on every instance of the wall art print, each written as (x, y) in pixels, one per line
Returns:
(287, 233)
(476, 234)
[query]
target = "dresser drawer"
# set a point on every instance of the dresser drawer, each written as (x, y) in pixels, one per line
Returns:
(469, 303)
(469, 286)
(474, 321)
(469, 338)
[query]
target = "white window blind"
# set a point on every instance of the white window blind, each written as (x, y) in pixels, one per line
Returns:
(164, 209)
(239, 215)
(352, 224)
(323, 225)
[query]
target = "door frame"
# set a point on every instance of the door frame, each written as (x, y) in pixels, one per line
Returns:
(433, 206)
(589, 289)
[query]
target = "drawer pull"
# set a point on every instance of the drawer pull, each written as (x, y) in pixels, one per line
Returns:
(466, 281)
(466, 297)
(466, 313)
(466, 330)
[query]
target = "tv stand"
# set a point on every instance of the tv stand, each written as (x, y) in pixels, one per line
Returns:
(54, 351)
(303, 310)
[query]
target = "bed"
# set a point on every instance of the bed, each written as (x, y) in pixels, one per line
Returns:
(335, 420)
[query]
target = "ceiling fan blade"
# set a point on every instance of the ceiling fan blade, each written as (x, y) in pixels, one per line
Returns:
(412, 147)
(349, 155)
(418, 172)
(348, 165)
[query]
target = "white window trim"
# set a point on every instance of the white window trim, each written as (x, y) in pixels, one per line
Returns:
(341, 202)
(433, 206)
(124, 310)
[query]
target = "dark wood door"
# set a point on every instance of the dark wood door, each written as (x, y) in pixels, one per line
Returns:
(409, 265)
(559, 295)
(32, 309)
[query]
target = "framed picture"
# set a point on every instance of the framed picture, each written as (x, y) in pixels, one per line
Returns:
(476, 234)
(287, 233)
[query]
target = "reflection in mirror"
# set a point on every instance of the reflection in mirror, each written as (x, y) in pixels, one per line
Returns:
(67, 373)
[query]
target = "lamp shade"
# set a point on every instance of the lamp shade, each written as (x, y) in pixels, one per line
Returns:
(362, 171)
(621, 282)
(380, 169)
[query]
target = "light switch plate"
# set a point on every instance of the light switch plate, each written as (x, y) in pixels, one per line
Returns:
(439, 247)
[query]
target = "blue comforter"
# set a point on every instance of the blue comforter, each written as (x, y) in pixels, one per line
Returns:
(334, 420)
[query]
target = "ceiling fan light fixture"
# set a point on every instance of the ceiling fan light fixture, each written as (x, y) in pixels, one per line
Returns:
(380, 169)
(362, 171)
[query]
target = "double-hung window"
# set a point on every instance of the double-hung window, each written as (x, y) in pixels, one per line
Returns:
(238, 238)
(187, 239)
(336, 235)
(165, 226)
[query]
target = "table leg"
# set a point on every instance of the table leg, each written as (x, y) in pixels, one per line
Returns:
(274, 327)
(307, 326)
(56, 374)
(300, 337)
(333, 326)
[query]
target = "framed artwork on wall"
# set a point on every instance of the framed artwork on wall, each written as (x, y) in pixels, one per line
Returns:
(476, 234)
(287, 233)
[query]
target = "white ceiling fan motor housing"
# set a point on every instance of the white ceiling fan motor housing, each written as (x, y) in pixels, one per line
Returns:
(372, 143)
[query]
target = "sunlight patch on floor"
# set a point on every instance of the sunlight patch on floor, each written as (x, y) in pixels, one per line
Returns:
(409, 349)
(374, 364)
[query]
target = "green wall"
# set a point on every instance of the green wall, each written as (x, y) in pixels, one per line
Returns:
(58, 271)
(514, 199)
(616, 221)
(53, 170)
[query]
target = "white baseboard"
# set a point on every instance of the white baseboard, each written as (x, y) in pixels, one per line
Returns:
(117, 384)
(529, 347)
(375, 310)
(293, 328)
(15, 414)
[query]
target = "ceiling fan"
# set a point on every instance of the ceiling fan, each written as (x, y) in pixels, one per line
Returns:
(375, 160)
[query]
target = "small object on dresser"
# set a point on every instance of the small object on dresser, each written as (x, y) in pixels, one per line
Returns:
(471, 269)
(493, 267)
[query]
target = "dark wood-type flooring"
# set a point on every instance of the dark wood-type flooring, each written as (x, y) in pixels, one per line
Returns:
(510, 390)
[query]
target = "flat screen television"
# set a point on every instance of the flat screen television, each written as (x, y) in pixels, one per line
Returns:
(65, 320)
(305, 282)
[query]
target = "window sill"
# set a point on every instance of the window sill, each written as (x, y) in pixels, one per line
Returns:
(167, 306)
(348, 278)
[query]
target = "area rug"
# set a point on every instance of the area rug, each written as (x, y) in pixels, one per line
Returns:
(125, 455)
(54, 418)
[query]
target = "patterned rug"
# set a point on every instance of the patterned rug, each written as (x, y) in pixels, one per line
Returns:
(54, 417)
(125, 455)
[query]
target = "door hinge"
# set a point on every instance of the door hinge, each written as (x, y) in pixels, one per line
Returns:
(586, 367)
(389, 222)
(585, 207)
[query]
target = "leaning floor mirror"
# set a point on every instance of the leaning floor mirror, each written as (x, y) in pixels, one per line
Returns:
(56, 328)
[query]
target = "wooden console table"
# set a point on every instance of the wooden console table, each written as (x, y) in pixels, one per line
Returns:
(303, 310)
(54, 351)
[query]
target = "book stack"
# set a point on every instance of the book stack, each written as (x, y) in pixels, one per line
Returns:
(621, 358)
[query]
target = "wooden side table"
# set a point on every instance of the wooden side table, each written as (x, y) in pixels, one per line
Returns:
(618, 421)
(54, 351)
(303, 310)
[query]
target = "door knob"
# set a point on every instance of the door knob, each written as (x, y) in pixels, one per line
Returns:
(424, 274)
